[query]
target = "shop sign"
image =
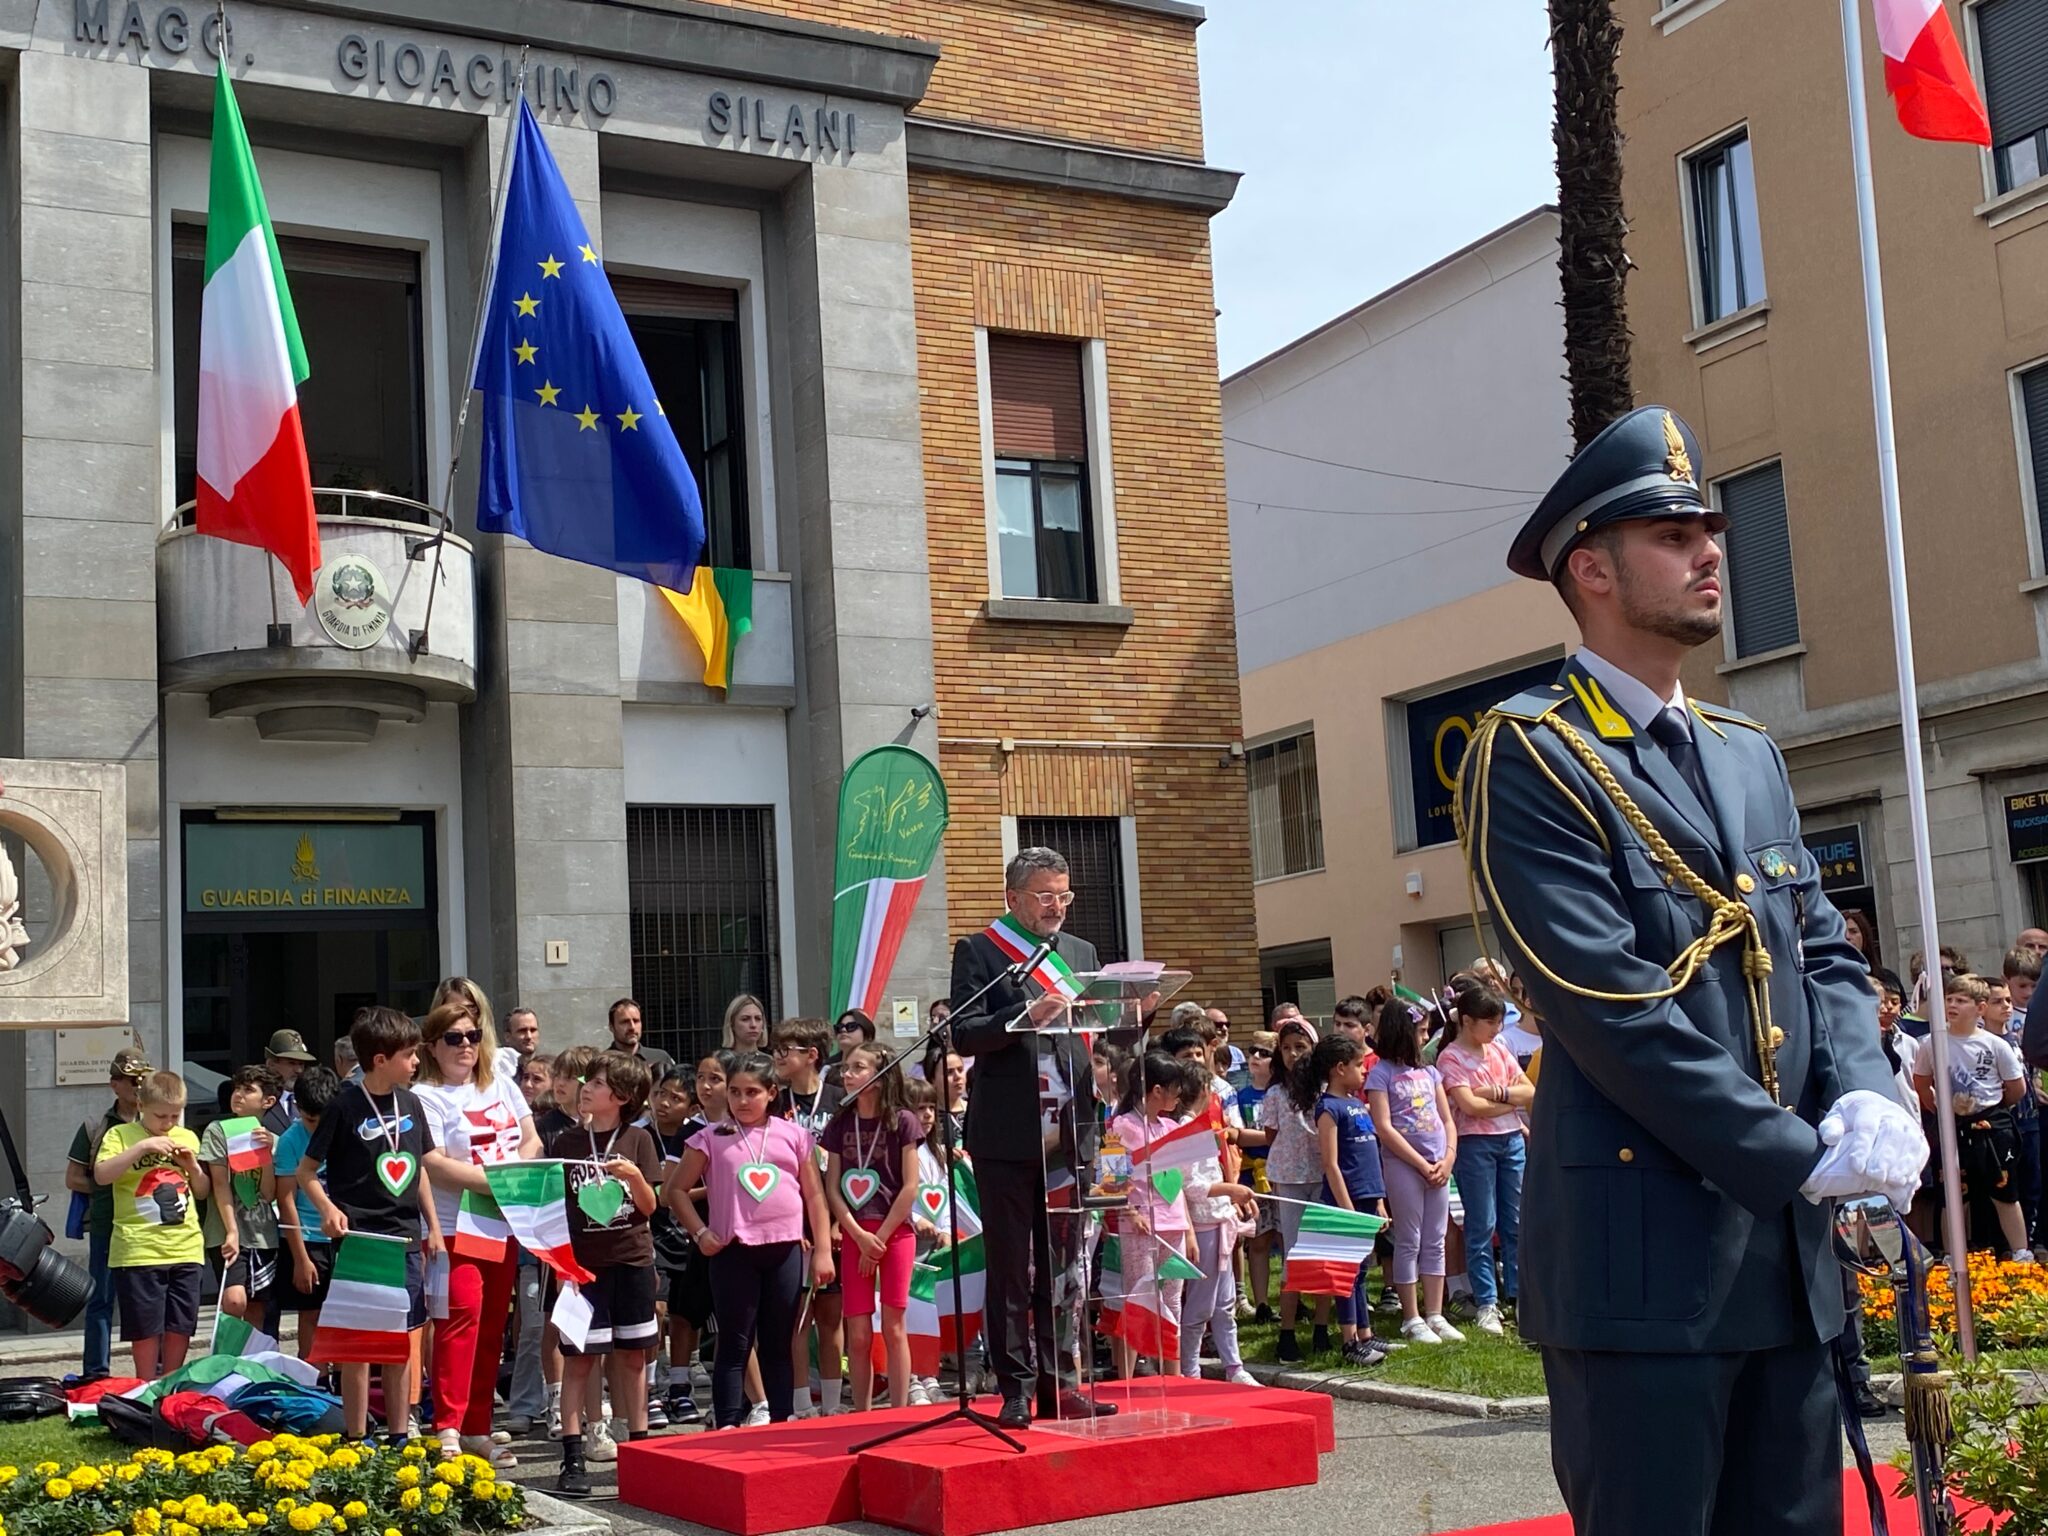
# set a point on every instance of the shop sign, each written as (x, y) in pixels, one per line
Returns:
(1439, 729)
(303, 866)
(2026, 826)
(352, 601)
(1839, 853)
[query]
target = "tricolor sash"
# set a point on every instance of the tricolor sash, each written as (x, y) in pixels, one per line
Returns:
(1020, 943)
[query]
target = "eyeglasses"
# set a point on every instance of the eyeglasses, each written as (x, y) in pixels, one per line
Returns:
(461, 1037)
(789, 1050)
(1059, 899)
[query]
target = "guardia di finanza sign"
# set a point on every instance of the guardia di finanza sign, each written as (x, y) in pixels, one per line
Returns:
(304, 866)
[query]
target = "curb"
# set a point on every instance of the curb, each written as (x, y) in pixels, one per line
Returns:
(558, 1517)
(1353, 1388)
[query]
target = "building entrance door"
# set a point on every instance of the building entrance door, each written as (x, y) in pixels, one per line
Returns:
(297, 924)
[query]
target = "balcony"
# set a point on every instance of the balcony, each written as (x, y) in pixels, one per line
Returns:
(391, 628)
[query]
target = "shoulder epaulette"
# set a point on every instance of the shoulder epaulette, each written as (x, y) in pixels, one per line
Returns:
(1532, 704)
(1713, 712)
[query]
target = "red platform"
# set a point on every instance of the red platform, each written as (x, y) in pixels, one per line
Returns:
(959, 1481)
(1900, 1512)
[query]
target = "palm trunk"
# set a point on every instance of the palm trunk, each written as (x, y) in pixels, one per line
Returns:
(1592, 255)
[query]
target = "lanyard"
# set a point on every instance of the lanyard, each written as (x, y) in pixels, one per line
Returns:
(861, 1152)
(599, 1159)
(754, 1155)
(389, 1129)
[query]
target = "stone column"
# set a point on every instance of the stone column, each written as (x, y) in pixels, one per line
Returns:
(858, 503)
(91, 497)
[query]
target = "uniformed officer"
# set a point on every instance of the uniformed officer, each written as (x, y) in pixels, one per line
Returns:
(1713, 1041)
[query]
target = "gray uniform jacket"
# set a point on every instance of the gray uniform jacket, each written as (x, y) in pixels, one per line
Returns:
(1661, 1210)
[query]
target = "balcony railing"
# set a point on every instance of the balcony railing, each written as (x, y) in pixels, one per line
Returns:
(391, 627)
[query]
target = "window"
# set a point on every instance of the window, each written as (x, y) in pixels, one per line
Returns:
(362, 407)
(1727, 250)
(1043, 521)
(2033, 392)
(1094, 849)
(1759, 545)
(1287, 811)
(704, 923)
(689, 338)
(2012, 40)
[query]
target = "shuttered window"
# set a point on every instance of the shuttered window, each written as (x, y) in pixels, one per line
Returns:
(2034, 404)
(1035, 392)
(1094, 849)
(2012, 40)
(1759, 543)
(1287, 811)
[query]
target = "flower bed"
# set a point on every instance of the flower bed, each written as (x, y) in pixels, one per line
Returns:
(278, 1487)
(2008, 1301)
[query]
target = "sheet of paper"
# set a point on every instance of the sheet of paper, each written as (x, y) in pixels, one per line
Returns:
(571, 1316)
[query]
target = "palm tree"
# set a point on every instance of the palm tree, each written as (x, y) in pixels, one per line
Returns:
(1592, 227)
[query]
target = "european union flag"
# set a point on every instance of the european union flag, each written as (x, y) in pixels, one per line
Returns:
(578, 458)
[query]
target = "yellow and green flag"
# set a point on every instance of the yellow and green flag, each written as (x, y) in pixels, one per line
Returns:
(717, 610)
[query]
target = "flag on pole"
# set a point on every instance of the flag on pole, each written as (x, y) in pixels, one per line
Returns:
(1334, 1243)
(253, 484)
(578, 458)
(892, 816)
(363, 1319)
(929, 1320)
(1927, 75)
(233, 1336)
(717, 610)
(532, 1200)
(1181, 1148)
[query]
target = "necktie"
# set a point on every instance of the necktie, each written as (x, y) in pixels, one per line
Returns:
(1675, 737)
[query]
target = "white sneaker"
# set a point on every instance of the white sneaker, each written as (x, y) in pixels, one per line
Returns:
(919, 1398)
(555, 1420)
(2023, 1255)
(1420, 1332)
(756, 1416)
(1441, 1327)
(1489, 1321)
(598, 1444)
(1238, 1376)
(1245, 1309)
(934, 1394)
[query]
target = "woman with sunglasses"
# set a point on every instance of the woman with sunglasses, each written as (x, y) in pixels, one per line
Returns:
(850, 1031)
(477, 1116)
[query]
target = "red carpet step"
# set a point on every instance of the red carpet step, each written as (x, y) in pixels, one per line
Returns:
(958, 1481)
(1904, 1519)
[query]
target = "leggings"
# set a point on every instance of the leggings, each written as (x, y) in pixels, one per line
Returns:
(1210, 1303)
(753, 1295)
(1421, 1215)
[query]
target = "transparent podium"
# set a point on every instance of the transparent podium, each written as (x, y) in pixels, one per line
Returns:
(1117, 1285)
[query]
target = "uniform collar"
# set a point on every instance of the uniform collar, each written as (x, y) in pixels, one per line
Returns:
(1628, 693)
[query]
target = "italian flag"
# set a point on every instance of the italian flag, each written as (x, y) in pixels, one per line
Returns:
(233, 1336)
(1183, 1147)
(1927, 75)
(1148, 1322)
(363, 1318)
(1334, 1242)
(529, 1201)
(481, 1231)
(873, 915)
(254, 486)
(1020, 944)
(929, 1320)
(1109, 1322)
(245, 1153)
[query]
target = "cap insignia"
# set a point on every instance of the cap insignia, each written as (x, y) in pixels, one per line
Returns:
(1676, 459)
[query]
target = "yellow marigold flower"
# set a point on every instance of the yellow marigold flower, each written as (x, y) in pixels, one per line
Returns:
(344, 1459)
(437, 1507)
(415, 1453)
(302, 1519)
(410, 1499)
(183, 1528)
(46, 1469)
(355, 1509)
(257, 1517)
(57, 1488)
(9, 1474)
(407, 1477)
(391, 1530)
(85, 1477)
(449, 1472)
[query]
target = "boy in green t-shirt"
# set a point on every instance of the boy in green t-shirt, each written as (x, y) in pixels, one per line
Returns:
(240, 1222)
(158, 1254)
(129, 1068)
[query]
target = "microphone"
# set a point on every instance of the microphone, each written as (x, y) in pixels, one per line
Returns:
(1032, 962)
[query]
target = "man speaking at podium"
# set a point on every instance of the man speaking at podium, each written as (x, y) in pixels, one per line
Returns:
(1005, 1135)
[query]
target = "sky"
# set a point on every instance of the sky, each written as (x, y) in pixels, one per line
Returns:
(1376, 137)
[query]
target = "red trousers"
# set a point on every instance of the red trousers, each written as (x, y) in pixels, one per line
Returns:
(468, 1343)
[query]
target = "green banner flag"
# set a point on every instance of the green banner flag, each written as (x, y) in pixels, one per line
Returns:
(892, 817)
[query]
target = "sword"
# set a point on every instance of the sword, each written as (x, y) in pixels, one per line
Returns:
(1871, 1238)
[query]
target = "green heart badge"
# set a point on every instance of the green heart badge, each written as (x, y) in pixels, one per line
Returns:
(600, 1200)
(932, 1198)
(395, 1171)
(759, 1179)
(859, 1186)
(1167, 1184)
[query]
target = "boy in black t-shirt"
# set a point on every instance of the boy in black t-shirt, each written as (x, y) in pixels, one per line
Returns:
(611, 1168)
(364, 1172)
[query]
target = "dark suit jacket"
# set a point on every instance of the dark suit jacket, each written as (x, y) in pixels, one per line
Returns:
(1002, 1099)
(1662, 1210)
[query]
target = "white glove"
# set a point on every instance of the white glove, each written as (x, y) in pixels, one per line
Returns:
(1872, 1145)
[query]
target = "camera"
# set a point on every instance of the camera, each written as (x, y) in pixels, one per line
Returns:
(34, 1276)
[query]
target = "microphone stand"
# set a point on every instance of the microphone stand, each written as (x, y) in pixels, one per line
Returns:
(963, 1409)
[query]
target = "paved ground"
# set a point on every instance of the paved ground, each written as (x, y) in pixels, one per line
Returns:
(1395, 1472)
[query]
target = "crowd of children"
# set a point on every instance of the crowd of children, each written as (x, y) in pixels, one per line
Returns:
(775, 1200)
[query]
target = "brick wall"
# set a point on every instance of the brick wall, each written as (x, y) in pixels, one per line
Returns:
(1070, 69)
(1138, 276)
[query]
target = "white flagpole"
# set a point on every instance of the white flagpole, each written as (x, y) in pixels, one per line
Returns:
(1954, 1217)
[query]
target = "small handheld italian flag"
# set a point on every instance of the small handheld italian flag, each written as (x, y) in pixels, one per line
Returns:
(233, 1336)
(1020, 944)
(1181, 1148)
(362, 1322)
(1334, 1243)
(529, 1201)
(247, 1155)
(929, 1318)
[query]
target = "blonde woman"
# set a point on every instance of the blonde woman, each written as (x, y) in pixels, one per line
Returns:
(746, 1024)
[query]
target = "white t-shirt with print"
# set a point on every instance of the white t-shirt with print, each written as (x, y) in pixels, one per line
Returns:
(1979, 1064)
(477, 1125)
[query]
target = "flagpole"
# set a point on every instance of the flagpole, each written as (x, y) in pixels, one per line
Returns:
(1953, 1216)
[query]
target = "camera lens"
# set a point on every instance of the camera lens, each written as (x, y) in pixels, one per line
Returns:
(54, 1291)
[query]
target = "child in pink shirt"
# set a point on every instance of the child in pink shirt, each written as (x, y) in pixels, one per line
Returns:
(1158, 1087)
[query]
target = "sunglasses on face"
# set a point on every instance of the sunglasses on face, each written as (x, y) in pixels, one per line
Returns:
(847, 1029)
(1260, 1052)
(461, 1037)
